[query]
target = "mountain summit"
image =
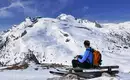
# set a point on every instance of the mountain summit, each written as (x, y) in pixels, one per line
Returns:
(58, 40)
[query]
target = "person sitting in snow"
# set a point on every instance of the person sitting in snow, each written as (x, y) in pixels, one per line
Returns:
(86, 60)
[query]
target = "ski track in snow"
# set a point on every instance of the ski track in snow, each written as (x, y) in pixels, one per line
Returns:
(58, 40)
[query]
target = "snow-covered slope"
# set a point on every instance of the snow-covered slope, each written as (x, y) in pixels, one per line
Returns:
(59, 40)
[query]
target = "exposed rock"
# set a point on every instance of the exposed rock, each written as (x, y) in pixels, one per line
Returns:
(30, 57)
(4, 43)
(84, 28)
(67, 40)
(98, 25)
(125, 47)
(66, 35)
(1, 64)
(24, 33)
(36, 68)
(17, 66)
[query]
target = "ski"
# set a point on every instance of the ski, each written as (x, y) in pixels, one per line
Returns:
(89, 73)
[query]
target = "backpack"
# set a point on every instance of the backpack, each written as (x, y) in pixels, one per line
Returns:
(97, 58)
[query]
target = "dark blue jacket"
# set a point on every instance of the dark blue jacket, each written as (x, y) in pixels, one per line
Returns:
(88, 56)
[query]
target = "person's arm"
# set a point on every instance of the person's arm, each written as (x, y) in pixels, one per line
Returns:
(81, 55)
(85, 56)
(78, 56)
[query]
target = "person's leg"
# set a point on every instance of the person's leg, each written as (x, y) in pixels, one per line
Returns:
(75, 63)
(85, 65)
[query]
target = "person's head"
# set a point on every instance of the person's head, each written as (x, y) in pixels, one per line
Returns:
(87, 43)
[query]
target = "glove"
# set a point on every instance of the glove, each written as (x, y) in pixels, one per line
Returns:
(76, 57)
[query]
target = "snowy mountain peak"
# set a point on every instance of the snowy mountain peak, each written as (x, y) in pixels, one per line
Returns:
(66, 17)
(59, 40)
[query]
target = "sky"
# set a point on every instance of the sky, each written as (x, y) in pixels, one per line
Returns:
(15, 11)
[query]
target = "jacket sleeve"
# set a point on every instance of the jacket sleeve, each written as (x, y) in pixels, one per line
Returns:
(85, 56)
